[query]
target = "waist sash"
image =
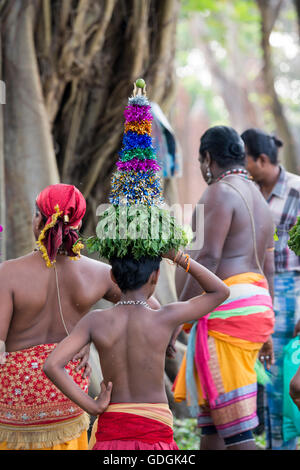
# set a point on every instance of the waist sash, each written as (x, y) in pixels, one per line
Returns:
(146, 422)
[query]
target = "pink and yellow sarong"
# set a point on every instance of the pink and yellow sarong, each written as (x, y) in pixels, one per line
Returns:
(218, 369)
(34, 414)
(134, 426)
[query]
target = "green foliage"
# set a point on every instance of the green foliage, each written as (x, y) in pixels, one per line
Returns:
(232, 31)
(186, 434)
(136, 231)
(201, 5)
(294, 240)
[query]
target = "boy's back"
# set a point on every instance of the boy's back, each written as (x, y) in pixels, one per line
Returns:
(132, 341)
(132, 352)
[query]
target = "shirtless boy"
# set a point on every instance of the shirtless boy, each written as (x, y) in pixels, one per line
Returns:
(131, 340)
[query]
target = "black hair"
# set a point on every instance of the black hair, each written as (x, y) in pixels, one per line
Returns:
(132, 274)
(224, 145)
(38, 211)
(259, 142)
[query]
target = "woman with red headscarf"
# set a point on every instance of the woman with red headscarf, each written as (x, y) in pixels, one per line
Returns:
(43, 296)
(62, 207)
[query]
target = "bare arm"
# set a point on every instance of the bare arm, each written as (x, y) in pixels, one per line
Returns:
(266, 354)
(6, 307)
(59, 358)
(215, 293)
(268, 267)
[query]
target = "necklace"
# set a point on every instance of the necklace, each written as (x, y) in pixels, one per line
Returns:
(235, 171)
(133, 302)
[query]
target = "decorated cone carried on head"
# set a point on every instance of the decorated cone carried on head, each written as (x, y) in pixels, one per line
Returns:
(137, 224)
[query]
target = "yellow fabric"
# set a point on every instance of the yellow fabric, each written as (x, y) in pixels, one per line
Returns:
(225, 357)
(92, 440)
(243, 278)
(45, 436)
(227, 354)
(81, 443)
(158, 411)
(241, 343)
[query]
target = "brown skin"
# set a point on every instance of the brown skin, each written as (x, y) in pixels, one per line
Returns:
(295, 388)
(228, 247)
(264, 173)
(29, 310)
(132, 357)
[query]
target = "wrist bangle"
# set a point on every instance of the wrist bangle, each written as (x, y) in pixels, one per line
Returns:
(175, 259)
(188, 263)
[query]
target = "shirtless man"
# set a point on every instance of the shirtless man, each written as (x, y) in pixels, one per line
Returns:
(131, 340)
(32, 323)
(241, 254)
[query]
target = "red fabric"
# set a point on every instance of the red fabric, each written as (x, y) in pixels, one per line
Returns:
(256, 327)
(118, 427)
(28, 397)
(72, 203)
(134, 445)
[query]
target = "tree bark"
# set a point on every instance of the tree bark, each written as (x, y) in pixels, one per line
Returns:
(233, 86)
(2, 176)
(269, 12)
(30, 162)
(297, 6)
(69, 68)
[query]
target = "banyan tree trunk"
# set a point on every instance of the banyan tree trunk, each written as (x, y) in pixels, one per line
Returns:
(69, 66)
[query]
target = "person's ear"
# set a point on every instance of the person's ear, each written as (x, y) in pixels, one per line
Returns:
(207, 158)
(154, 277)
(263, 160)
(39, 224)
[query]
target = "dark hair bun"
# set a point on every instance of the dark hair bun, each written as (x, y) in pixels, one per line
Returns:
(235, 149)
(224, 145)
(277, 141)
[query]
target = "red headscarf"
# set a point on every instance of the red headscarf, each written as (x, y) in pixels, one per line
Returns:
(64, 206)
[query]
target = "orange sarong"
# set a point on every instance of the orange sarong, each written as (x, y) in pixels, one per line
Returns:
(218, 374)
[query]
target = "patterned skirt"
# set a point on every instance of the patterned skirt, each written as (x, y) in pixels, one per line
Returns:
(34, 414)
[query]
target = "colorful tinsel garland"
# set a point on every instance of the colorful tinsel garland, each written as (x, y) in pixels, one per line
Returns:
(136, 183)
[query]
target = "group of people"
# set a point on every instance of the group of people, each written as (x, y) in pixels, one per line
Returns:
(234, 300)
